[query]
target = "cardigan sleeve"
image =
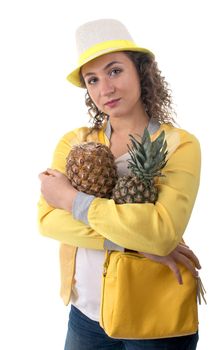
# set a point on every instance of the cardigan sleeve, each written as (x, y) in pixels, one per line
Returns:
(155, 228)
(57, 223)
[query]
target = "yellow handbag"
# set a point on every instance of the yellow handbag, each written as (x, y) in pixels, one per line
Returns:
(142, 299)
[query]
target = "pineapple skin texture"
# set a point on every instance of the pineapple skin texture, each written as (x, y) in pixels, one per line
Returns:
(130, 189)
(91, 169)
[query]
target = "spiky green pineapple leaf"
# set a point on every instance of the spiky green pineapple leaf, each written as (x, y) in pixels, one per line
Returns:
(156, 145)
(135, 143)
(136, 165)
(137, 146)
(137, 151)
(146, 140)
(133, 156)
(148, 157)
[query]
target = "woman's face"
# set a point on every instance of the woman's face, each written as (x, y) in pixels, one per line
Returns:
(113, 84)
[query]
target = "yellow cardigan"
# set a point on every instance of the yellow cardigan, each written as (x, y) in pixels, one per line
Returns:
(153, 228)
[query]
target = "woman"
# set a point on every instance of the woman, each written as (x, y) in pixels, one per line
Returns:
(125, 94)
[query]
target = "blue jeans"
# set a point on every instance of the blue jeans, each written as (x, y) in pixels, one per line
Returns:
(86, 334)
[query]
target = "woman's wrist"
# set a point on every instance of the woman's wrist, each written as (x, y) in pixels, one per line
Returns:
(69, 199)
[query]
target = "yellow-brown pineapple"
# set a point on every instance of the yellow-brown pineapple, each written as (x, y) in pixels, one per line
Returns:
(147, 159)
(91, 169)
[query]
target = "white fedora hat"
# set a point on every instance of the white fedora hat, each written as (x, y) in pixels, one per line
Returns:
(96, 38)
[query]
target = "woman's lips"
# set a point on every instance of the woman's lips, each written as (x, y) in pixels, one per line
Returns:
(112, 103)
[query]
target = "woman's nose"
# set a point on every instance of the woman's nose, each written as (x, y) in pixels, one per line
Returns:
(107, 87)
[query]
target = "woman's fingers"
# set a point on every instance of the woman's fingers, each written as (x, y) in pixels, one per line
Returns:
(52, 172)
(183, 244)
(169, 261)
(181, 254)
(184, 260)
(188, 253)
(173, 267)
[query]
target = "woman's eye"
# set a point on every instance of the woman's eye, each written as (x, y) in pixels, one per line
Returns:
(92, 81)
(115, 71)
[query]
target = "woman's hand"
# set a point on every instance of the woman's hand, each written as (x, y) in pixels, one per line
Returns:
(181, 254)
(57, 189)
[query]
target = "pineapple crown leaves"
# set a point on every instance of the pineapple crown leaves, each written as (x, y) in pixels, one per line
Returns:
(147, 157)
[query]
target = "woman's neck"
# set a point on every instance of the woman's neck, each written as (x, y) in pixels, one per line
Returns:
(124, 126)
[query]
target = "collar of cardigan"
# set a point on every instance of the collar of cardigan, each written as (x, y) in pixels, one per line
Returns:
(153, 126)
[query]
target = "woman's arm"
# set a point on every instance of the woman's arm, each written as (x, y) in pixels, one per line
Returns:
(58, 223)
(52, 184)
(155, 229)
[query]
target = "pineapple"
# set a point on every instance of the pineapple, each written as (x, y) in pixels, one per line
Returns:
(147, 159)
(91, 169)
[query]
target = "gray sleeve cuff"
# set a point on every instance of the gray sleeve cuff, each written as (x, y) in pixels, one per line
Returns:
(80, 209)
(81, 205)
(112, 246)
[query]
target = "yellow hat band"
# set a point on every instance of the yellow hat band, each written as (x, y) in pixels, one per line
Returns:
(103, 48)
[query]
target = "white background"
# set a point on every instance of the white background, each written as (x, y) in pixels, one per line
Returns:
(38, 106)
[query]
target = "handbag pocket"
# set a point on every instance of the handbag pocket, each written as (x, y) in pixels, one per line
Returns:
(142, 299)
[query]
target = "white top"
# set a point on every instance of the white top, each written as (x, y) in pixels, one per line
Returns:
(89, 268)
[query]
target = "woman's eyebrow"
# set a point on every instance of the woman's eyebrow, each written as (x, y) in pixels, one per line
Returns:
(111, 64)
(105, 68)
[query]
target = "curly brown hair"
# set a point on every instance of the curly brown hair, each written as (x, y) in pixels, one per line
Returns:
(155, 92)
